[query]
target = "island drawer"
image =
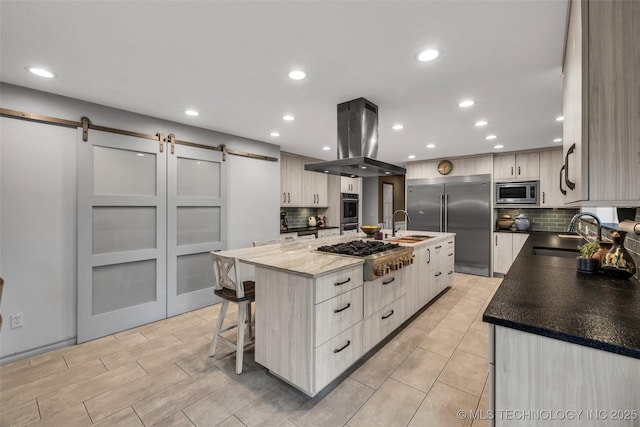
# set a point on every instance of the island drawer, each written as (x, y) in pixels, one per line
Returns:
(337, 354)
(337, 314)
(384, 290)
(336, 283)
(380, 324)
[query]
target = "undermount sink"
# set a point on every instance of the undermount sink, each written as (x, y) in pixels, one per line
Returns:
(414, 238)
(564, 253)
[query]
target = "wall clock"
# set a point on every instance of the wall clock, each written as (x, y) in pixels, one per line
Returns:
(445, 167)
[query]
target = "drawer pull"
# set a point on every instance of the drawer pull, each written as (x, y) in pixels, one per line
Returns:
(450, 242)
(389, 281)
(338, 310)
(342, 283)
(438, 247)
(450, 272)
(438, 273)
(338, 350)
(388, 315)
(450, 255)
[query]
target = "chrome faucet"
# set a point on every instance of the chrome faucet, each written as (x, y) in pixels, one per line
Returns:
(572, 224)
(393, 234)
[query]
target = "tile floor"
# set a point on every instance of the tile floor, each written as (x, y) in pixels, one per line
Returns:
(159, 374)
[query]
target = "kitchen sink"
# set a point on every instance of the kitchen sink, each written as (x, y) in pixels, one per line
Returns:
(413, 238)
(564, 253)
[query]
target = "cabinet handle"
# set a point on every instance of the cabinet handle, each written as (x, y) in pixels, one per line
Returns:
(288, 197)
(570, 185)
(389, 281)
(450, 254)
(450, 272)
(342, 283)
(496, 240)
(438, 273)
(338, 350)
(438, 247)
(450, 241)
(429, 252)
(338, 310)
(388, 315)
(562, 190)
(543, 198)
(284, 197)
(511, 170)
(519, 171)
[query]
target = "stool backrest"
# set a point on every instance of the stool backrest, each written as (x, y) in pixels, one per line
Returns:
(225, 273)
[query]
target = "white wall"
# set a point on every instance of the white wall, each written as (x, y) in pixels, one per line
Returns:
(38, 208)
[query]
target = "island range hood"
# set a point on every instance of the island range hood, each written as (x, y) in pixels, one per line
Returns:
(357, 144)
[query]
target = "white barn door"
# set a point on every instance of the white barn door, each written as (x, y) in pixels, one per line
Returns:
(122, 224)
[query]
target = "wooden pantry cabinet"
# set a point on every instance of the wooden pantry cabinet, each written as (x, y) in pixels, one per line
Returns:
(516, 166)
(601, 103)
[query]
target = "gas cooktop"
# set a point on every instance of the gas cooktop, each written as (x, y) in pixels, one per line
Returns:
(359, 248)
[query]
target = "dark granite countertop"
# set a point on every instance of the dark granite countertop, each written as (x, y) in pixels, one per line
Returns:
(303, 229)
(545, 295)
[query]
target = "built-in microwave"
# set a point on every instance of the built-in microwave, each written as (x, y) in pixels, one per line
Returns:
(517, 193)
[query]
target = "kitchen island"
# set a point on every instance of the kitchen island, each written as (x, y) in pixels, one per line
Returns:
(317, 315)
(564, 346)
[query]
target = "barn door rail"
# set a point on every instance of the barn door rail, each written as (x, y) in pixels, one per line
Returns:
(86, 125)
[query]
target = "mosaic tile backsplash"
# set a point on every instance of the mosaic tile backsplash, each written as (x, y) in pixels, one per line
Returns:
(543, 219)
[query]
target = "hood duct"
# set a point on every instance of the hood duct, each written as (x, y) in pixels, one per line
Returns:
(357, 144)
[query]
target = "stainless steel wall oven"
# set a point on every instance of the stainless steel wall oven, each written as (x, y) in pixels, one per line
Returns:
(349, 207)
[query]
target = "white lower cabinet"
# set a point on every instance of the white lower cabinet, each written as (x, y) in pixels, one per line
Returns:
(337, 314)
(328, 232)
(337, 354)
(382, 322)
(506, 248)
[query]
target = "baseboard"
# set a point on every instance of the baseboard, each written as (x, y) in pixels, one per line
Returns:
(36, 351)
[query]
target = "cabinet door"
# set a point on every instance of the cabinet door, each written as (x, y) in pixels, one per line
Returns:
(321, 189)
(527, 166)
(350, 185)
(504, 166)
(518, 240)
(502, 252)
(572, 135)
(291, 180)
(550, 164)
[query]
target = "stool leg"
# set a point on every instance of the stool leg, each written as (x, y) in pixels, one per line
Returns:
(249, 320)
(221, 316)
(242, 317)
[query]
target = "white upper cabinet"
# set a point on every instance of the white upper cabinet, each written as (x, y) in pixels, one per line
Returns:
(516, 166)
(301, 188)
(462, 166)
(601, 103)
(550, 179)
(350, 185)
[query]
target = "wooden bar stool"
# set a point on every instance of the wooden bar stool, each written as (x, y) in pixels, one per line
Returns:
(231, 289)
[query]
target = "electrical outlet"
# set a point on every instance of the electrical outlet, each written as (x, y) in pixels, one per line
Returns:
(16, 320)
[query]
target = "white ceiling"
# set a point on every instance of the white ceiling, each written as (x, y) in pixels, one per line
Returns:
(228, 60)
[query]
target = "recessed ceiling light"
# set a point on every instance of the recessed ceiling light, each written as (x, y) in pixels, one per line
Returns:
(412, 156)
(297, 74)
(557, 140)
(41, 72)
(387, 173)
(559, 118)
(498, 146)
(288, 117)
(326, 148)
(398, 126)
(274, 134)
(466, 103)
(192, 113)
(481, 123)
(363, 167)
(428, 55)
(490, 137)
(431, 145)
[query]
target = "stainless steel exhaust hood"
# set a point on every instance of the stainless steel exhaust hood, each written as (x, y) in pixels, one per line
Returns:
(357, 144)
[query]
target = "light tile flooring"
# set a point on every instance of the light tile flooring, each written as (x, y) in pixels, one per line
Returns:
(159, 374)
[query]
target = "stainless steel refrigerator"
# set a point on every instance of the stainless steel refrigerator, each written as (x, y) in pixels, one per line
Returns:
(460, 205)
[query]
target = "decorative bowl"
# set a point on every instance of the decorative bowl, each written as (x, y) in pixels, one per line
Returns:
(370, 230)
(505, 221)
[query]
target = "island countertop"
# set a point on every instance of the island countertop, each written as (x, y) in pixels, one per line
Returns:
(545, 295)
(300, 256)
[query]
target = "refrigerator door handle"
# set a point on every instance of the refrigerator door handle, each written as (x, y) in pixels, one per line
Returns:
(441, 212)
(446, 213)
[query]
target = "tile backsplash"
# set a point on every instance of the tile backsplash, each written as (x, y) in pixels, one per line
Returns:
(543, 219)
(299, 217)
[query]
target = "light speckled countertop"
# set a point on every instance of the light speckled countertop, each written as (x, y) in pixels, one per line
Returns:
(300, 257)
